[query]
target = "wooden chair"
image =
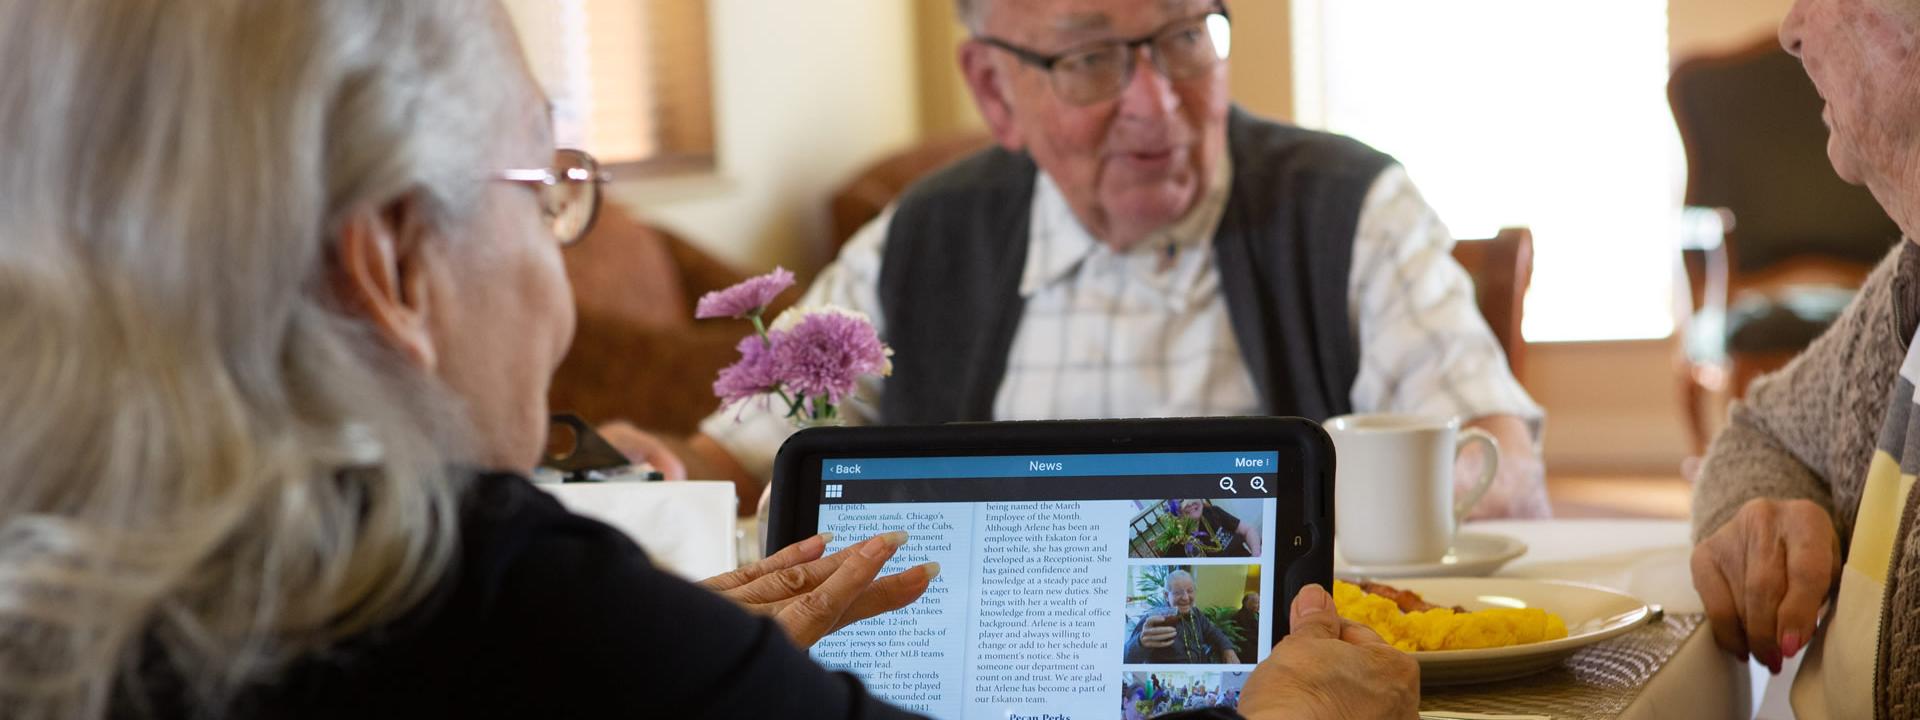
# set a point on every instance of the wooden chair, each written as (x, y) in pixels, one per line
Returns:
(1793, 239)
(1502, 270)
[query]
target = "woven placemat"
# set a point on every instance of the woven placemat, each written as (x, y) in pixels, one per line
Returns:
(1598, 682)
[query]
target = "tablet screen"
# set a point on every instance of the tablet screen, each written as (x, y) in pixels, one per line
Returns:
(1071, 586)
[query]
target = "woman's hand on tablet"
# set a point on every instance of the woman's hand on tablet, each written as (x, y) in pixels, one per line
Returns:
(1328, 667)
(813, 596)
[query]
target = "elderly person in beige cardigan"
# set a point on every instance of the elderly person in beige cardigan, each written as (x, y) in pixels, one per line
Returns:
(1804, 511)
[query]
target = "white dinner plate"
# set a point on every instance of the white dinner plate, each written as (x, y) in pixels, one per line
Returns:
(1473, 555)
(1592, 614)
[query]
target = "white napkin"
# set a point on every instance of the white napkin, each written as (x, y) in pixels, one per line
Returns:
(685, 527)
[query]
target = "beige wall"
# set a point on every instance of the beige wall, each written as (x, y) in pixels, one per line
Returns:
(1705, 26)
(1262, 70)
(945, 106)
(805, 93)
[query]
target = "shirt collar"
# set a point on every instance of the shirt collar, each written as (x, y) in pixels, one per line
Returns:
(1058, 244)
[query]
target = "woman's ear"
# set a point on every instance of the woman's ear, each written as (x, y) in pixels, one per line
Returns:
(380, 273)
(990, 93)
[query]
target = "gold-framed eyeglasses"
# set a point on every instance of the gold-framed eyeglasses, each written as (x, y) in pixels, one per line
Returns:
(569, 192)
(1096, 72)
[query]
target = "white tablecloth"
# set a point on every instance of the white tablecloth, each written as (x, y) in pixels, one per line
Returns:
(1647, 559)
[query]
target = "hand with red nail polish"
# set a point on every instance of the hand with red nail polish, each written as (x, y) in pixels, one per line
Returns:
(1790, 644)
(1764, 576)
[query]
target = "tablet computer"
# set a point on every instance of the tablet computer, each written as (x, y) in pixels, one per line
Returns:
(1089, 569)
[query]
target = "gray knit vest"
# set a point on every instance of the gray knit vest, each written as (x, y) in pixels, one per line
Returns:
(957, 246)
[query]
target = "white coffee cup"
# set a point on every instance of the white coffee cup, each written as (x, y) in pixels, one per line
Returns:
(1393, 492)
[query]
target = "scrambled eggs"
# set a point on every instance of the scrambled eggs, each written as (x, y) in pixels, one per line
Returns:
(1444, 629)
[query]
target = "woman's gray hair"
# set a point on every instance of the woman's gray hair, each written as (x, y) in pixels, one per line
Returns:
(211, 468)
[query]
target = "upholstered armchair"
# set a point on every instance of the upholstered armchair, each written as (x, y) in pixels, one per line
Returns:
(638, 354)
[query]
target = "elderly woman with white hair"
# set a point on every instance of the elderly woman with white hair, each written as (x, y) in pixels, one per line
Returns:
(280, 297)
(1805, 512)
(272, 272)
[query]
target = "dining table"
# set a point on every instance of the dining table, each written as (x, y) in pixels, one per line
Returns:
(1690, 677)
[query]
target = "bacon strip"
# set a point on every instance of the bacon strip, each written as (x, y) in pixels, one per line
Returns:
(1408, 600)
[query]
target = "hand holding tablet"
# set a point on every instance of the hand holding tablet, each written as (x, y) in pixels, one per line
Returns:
(1331, 668)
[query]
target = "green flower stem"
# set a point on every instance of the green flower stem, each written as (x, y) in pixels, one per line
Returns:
(760, 328)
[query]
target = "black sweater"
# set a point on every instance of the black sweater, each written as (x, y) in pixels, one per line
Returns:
(549, 614)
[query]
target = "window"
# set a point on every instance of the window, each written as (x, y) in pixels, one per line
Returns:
(629, 79)
(1551, 115)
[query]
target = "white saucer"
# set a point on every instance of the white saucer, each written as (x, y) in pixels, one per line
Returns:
(1473, 555)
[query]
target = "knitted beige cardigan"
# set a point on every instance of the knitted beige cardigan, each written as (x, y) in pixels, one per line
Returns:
(1810, 430)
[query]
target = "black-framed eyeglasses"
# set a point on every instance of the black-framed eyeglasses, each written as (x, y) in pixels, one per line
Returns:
(1100, 71)
(569, 192)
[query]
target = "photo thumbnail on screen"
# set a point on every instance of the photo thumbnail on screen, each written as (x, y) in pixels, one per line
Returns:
(1197, 528)
(1192, 615)
(1152, 694)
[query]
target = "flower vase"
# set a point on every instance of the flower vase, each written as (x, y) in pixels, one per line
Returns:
(800, 422)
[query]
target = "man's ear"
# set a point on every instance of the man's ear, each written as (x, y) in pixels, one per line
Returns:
(380, 274)
(990, 93)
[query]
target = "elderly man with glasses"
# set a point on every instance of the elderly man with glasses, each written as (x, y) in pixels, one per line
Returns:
(1137, 247)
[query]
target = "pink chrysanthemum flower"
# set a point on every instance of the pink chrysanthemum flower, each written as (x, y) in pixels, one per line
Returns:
(751, 376)
(746, 299)
(823, 354)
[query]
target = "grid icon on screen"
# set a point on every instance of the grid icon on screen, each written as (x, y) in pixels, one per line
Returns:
(835, 491)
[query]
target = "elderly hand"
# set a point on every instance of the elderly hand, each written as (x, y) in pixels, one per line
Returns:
(1329, 667)
(1519, 487)
(1764, 576)
(813, 596)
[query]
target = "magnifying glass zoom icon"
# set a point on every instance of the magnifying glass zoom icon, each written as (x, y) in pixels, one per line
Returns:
(1226, 483)
(1258, 483)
